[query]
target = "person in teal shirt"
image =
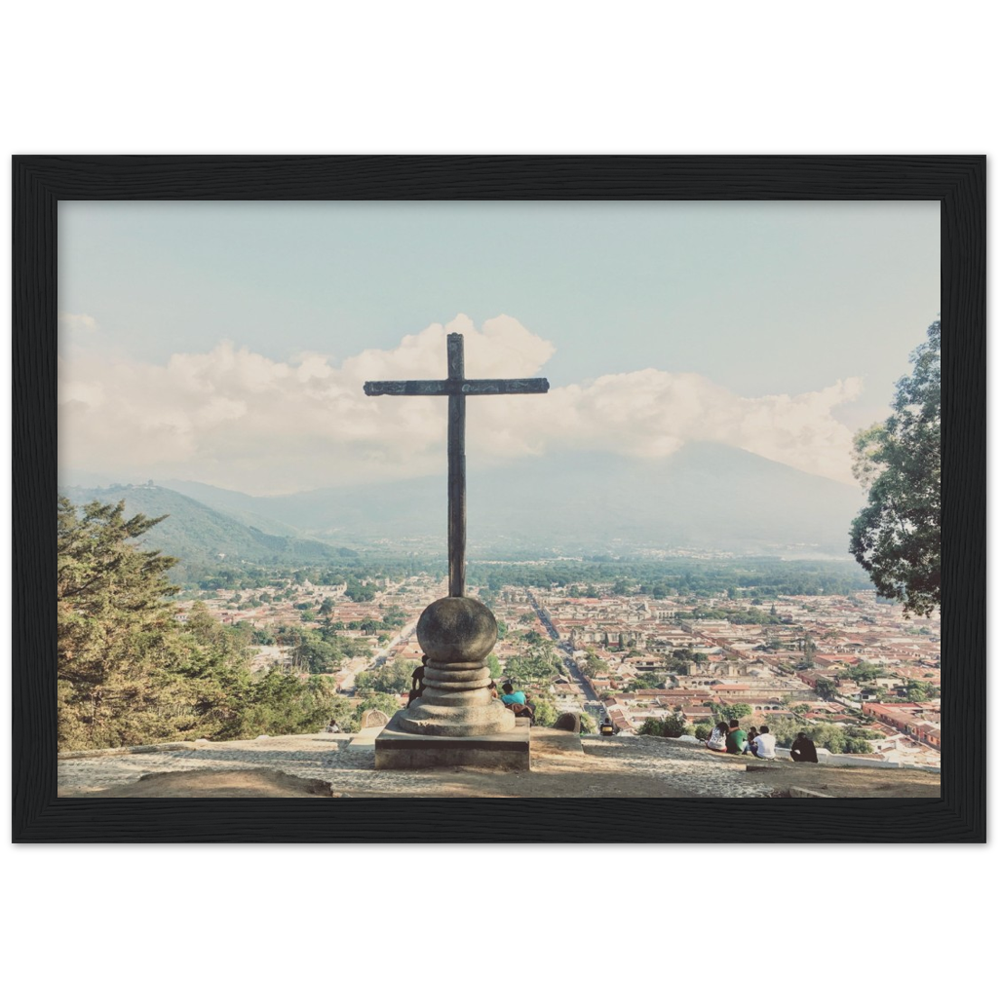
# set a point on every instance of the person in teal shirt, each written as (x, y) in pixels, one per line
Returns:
(510, 696)
(736, 740)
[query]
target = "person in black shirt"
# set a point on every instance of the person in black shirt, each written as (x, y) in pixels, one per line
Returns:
(417, 684)
(804, 750)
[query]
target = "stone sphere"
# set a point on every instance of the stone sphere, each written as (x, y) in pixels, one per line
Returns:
(457, 630)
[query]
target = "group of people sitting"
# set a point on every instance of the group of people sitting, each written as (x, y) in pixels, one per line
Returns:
(732, 739)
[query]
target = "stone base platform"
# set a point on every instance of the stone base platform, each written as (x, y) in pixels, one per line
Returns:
(397, 750)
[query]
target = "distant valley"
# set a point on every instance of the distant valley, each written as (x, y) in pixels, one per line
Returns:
(707, 498)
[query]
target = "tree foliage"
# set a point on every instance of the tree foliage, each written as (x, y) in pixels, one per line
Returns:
(897, 536)
(532, 668)
(826, 687)
(836, 739)
(116, 635)
(739, 710)
(671, 725)
(393, 678)
(129, 672)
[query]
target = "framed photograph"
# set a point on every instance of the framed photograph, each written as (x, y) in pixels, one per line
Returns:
(429, 499)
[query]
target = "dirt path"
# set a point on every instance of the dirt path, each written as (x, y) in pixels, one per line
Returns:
(594, 767)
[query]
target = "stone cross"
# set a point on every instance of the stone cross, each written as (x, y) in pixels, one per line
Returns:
(456, 387)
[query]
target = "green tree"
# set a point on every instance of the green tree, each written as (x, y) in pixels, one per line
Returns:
(593, 665)
(672, 725)
(826, 688)
(359, 592)
(393, 678)
(117, 637)
(533, 668)
(863, 672)
(341, 710)
(393, 619)
(130, 673)
(808, 649)
(545, 711)
(739, 710)
(921, 691)
(897, 536)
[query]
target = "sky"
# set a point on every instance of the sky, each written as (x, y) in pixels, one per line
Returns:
(228, 342)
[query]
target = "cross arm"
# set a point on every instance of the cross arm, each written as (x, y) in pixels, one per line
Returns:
(423, 387)
(501, 386)
(464, 387)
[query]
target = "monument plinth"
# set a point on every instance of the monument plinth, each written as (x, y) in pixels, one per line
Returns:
(457, 634)
(455, 720)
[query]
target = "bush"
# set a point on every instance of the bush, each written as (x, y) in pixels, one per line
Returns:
(545, 712)
(672, 726)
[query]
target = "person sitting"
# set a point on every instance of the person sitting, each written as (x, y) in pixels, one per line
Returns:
(804, 750)
(517, 702)
(717, 740)
(333, 727)
(417, 682)
(608, 727)
(510, 696)
(494, 693)
(751, 736)
(763, 743)
(736, 738)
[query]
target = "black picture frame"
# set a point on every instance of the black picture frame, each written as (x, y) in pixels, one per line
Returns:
(957, 182)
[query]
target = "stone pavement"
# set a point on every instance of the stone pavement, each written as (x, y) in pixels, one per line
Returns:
(591, 767)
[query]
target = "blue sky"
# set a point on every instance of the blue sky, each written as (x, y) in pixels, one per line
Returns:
(775, 299)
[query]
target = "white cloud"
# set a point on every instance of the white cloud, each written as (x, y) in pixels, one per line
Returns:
(74, 324)
(241, 420)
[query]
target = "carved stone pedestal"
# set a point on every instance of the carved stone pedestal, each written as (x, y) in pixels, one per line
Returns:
(456, 714)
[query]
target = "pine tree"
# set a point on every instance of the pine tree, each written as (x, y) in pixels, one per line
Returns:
(129, 673)
(116, 634)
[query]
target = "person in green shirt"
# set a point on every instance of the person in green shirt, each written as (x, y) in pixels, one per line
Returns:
(736, 740)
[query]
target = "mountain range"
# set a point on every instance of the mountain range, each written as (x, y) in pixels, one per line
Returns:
(705, 497)
(196, 532)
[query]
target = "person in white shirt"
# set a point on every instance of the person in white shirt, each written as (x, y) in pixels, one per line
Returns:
(763, 744)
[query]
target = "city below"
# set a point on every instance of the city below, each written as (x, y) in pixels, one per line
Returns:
(850, 669)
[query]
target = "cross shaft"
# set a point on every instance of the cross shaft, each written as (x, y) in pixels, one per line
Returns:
(456, 387)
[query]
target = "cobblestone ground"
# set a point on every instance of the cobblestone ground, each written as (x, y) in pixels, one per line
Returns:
(618, 767)
(697, 774)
